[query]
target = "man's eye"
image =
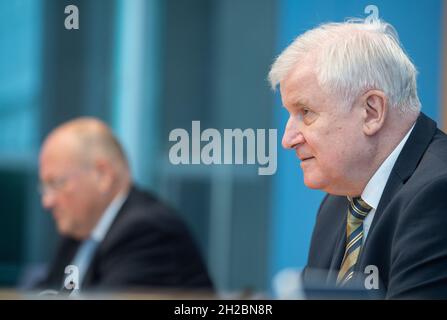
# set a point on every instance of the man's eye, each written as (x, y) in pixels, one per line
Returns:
(308, 115)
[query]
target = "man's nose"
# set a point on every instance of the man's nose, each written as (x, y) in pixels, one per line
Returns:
(292, 135)
(48, 200)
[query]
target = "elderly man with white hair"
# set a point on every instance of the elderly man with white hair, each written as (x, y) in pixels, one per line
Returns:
(356, 126)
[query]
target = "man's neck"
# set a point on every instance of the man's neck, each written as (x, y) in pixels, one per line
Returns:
(390, 142)
(123, 188)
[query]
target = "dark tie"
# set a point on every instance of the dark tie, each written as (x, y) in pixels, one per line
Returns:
(357, 212)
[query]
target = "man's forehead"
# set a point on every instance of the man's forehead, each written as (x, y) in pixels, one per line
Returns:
(302, 70)
(60, 140)
(294, 86)
(54, 161)
(59, 151)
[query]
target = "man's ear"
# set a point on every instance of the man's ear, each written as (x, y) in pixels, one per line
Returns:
(105, 175)
(375, 110)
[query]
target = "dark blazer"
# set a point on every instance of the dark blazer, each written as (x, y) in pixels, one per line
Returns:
(147, 246)
(407, 240)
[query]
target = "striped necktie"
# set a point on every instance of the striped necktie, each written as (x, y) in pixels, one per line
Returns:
(357, 212)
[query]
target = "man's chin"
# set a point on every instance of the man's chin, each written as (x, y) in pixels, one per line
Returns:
(63, 229)
(313, 183)
(313, 186)
(63, 232)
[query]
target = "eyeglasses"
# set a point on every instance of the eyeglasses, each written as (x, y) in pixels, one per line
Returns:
(52, 186)
(57, 184)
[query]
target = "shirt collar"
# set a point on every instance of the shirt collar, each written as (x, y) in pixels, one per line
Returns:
(374, 189)
(104, 223)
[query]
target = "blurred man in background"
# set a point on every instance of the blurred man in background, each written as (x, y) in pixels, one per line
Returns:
(355, 124)
(117, 236)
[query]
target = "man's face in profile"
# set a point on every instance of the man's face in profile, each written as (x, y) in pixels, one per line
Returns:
(326, 135)
(68, 187)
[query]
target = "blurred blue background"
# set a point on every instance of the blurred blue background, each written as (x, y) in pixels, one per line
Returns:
(149, 66)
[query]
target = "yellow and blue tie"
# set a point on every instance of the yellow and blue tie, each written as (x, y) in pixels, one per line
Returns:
(357, 212)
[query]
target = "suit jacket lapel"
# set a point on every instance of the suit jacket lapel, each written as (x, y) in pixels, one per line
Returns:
(89, 274)
(66, 251)
(108, 241)
(339, 247)
(405, 165)
(407, 161)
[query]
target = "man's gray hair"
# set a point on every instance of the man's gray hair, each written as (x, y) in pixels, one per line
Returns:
(351, 58)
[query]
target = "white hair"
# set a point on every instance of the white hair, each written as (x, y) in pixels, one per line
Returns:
(351, 58)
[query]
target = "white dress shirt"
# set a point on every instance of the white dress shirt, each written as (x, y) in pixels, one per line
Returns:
(374, 189)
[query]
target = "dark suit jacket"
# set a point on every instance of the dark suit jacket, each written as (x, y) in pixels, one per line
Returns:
(147, 245)
(407, 240)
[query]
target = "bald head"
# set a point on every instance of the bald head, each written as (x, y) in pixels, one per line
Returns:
(82, 169)
(88, 139)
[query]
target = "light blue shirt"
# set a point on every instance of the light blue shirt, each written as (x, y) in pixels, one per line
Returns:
(88, 247)
(106, 220)
(374, 189)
